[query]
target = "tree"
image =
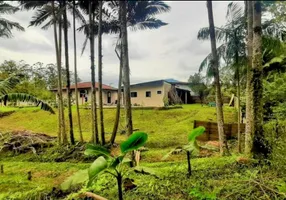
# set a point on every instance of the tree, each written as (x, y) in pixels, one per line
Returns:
(100, 74)
(65, 25)
(95, 137)
(140, 16)
(6, 26)
(75, 73)
(198, 86)
(233, 48)
(260, 149)
(220, 121)
(249, 101)
(125, 68)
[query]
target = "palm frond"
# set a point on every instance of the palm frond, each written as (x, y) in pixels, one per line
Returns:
(6, 26)
(234, 12)
(150, 23)
(26, 98)
(8, 84)
(204, 33)
(27, 5)
(41, 15)
(6, 8)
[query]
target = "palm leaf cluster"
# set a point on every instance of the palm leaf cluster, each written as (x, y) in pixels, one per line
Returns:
(6, 26)
(26, 98)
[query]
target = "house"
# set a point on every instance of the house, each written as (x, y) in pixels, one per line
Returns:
(84, 93)
(160, 93)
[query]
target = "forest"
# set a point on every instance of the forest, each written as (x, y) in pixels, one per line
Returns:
(225, 141)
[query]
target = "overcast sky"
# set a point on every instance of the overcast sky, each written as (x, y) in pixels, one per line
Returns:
(172, 51)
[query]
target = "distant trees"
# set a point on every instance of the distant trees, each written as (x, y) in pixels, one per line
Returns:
(198, 86)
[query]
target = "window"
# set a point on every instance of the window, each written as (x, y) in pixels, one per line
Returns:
(133, 94)
(148, 93)
(159, 92)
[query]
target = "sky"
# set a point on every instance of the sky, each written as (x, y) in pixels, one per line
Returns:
(171, 51)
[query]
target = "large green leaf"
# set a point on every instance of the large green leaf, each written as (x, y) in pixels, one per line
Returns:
(195, 133)
(99, 165)
(135, 141)
(96, 150)
(79, 177)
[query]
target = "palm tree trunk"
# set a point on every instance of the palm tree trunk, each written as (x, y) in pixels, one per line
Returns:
(126, 70)
(60, 86)
(220, 121)
(57, 57)
(68, 74)
(249, 106)
(117, 115)
(100, 74)
(259, 145)
(75, 75)
(94, 136)
(238, 94)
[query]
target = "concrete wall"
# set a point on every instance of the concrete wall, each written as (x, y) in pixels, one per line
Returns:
(113, 94)
(155, 99)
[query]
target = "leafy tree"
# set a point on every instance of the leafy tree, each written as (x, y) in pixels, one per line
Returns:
(198, 86)
(6, 26)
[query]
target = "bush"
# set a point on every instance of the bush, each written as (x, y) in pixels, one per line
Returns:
(275, 135)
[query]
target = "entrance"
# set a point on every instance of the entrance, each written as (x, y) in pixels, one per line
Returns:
(108, 97)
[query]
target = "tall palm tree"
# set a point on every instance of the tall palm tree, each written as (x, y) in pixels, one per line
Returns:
(249, 106)
(91, 13)
(61, 117)
(6, 26)
(50, 13)
(100, 74)
(260, 150)
(232, 50)
(220, 121)
(65, 26)
(125, 67)
(75, 72)
(140, 16)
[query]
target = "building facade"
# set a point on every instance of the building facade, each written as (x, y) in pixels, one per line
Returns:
(84, 93)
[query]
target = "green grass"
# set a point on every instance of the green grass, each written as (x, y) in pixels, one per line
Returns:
(166, 128)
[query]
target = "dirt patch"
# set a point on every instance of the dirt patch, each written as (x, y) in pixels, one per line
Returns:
(4, 114)
(25, 141)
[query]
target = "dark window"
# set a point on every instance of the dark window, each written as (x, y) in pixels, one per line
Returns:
(133, 94)
(148, 93)
(83, 93)
(159, 92)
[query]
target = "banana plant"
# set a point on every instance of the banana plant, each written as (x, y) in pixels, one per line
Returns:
(117, 166)
(192, 148)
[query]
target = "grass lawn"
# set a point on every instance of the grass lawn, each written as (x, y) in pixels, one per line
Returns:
(212, 178)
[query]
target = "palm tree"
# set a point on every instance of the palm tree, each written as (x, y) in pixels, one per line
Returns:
(249, 107)
(125, 67)
(75, 72)
(233, 48)
(140, 16)
(100, 74)
(220, 121)
(6, 26)
(61, 117)
(51, 14)
(260, 150)
(65, 26)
